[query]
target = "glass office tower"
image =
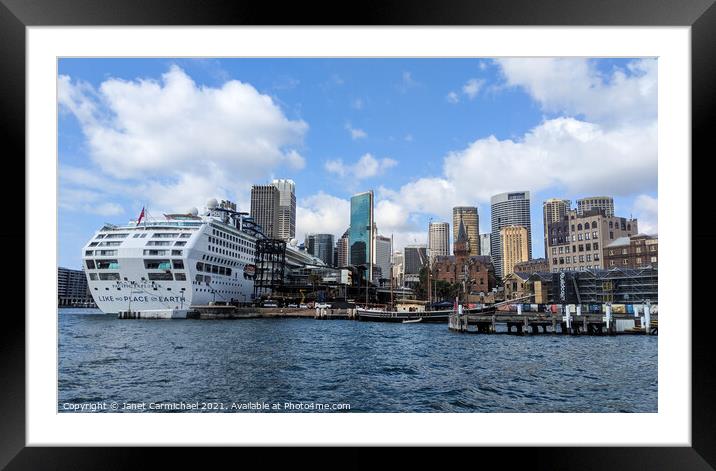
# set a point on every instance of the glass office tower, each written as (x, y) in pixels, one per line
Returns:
(361, 232)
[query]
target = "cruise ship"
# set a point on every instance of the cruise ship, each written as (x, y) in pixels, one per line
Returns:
(173, 262)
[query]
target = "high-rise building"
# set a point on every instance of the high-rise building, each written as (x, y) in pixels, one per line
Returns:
(383, 249)
(600, 202)
(472, 225)
(438, 239)
(577, 242)
(509, 209)
(321, 246)
(264, 208)
(485, 244)
(398, 268)
(553, 210)
(343, 258)
(361, 232)
(415, 257)
(513, 240)
(286, 209)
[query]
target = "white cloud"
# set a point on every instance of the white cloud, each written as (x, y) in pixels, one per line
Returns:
(472, 87)
(357, 104)
(322, 213)
(646, 210)
(576, 87)
(408, 137)
(577, 156)
(355, 132)
(144, 127)
(367, 166)
(174, 143)
(452, 97)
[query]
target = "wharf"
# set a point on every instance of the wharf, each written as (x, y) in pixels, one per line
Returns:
(548, 323)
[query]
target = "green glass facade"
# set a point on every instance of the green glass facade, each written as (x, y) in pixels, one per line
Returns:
(361, 231)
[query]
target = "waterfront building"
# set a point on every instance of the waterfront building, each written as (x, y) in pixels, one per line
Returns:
(438, 239)
(286, 209)
(516, 285)
(577, 242)
(513, 240)
(72, 288)
(471, 220)
(321, 246)
(361, 232)
(615, 285)
(605, 203)
(485, 244)
(509, 209)
(532, 266)
(637, 251)
(265, 200)
(553, 210)
(343, 250)
(383, 250)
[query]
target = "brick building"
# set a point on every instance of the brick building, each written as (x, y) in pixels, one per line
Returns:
(639, 251)
(476, 269)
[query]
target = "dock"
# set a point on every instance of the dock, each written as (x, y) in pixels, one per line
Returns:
(534, 323)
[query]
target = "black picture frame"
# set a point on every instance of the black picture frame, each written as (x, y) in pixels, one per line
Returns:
(16, 15)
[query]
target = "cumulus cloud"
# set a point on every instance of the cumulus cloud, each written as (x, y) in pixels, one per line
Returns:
(576, 87)
(355, 132)
(322, 213)
(367, 166)
(174, 140)
(472, 87)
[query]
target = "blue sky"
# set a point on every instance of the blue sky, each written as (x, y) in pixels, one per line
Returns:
(424, 134)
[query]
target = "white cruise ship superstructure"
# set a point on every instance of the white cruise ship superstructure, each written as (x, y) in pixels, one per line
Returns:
(173, 262)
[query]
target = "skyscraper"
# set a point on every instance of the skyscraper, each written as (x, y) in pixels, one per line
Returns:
(472, 225)
(286, 209)
(601, 202)
(361, 231)
(415, 257)
(553, 210)
(514, 247)
(264, 208)
(321, 246)
(509, 209)
(438, 239)
(343, 258)
(383, 249)
(485, 244)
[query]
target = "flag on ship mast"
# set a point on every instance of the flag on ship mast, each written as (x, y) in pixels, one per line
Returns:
(141, 216)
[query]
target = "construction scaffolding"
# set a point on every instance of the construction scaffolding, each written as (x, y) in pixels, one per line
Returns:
(616, 285)
(270, 260)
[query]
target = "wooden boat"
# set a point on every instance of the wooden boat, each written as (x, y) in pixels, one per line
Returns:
(376, 315)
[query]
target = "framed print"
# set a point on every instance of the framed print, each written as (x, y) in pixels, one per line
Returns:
(432, 227)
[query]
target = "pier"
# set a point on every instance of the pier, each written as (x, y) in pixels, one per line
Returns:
(533, 323)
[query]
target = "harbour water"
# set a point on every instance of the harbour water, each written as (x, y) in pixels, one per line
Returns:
(371, 367)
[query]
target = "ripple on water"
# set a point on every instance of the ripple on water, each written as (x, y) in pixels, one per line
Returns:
(372, 366)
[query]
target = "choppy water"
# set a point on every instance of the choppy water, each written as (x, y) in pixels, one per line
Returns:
(373, 367)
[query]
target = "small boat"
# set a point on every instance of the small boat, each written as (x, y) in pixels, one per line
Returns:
(411, 321)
